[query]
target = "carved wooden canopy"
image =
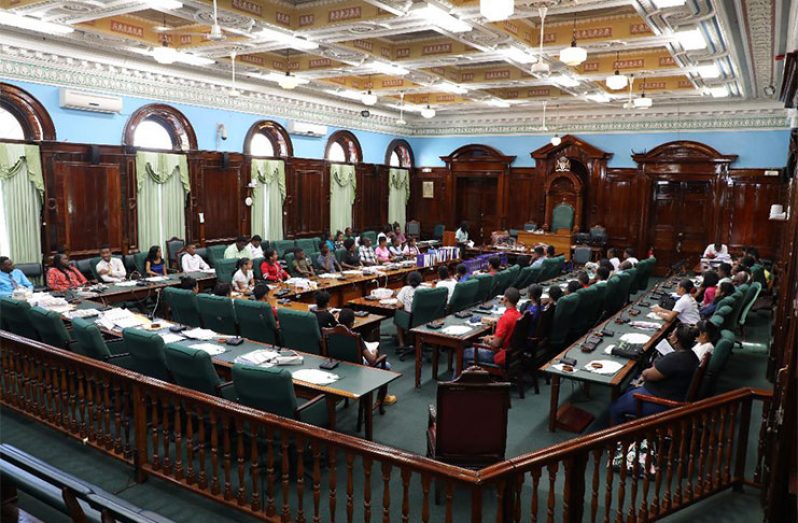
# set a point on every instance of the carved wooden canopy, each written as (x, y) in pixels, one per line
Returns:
(478, 153)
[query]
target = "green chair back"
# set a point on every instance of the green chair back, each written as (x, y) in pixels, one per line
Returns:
(192, 368)
(343, 344)
(225, 268)
(485, 286)
(758, 274)
(562, 217)
(564, 316)
(737, 308)
(16, 316)
(147, 352)
(139, 259)
(215, 254)
(299, 330)
(720, 318)
(717, 362)
(371, 235)
(256, 268)
(50, 327)
(270, 390)
(437, 231)
(217, 313)
(281, 246)
(748, 301)
(93, 267)
(182, 306)
(614, 299)
(588, 312)
(648, 269)
(89, 340)
(339, 255)
(552, 267)
(534, 275)
(289, 263)
(464, 295)
(428, 304)
(308, 245)
(634, 273)
(504, 280)
(626, 284)
(524, 278)
(256, 321)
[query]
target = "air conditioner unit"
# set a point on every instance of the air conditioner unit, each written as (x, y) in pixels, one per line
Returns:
(83, 101)
(307, 129)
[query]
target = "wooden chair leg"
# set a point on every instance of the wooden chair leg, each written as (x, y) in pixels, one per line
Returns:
(535, 378)
(359, 415)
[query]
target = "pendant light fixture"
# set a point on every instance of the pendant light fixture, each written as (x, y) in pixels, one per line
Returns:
(368, 98)
(643, 102)
(496, 10)
(573, 55)
(234, 93)
(401, 120)
(541, 67)
(164, 54)
(428, 112)
(617, 80)
(556, 140)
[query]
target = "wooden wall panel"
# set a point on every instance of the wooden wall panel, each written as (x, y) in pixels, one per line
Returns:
(371, 202)
(618, 206)
(744, 217)
(526, 203)
(218, 190)
(430, 211)
(307, 204)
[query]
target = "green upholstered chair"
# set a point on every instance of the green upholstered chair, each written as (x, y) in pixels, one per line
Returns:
(16, 316)
(283, 246)
(84, 266)
(720, 356)
(721, 316)
(339, 255)
(50, 328)
(552, 267)
(588, 311)
(225, 268)
(564, 317)
(217, 313)
(524, 278)
(193, 369)
(485, 286)
(299, 330)
(173, 246)
(758, 274)
(562, 217)
(428, 304)
(626, 278)
(308, 244)
(289, 263)
(464, 295)
(371, 235)
(313, 258)
(601, 296)
(272, 390)
(749, 299)
(89, 342)
(614, 299)
(256, 268)
(504, 279)
(633, 279)
(148, 353)
(437, 231)
(139, 259)
(216, 254)
(646, 272)
(534, 275)
(256, 321)
(182, 306)
(737, 309)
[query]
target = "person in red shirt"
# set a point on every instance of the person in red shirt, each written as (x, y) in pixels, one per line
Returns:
(62, 276)
(499, 342)
(271, 269)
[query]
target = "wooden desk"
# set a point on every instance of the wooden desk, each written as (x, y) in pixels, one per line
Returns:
(621, 377)
(561, 240)
(373, 306)
(114, 293)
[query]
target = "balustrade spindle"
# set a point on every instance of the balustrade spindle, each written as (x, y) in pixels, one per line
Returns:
(552, 470)
(117, 417)
(286, 513)
(678, 495)
(405, 494)
(271, 508)
(73, 400)
(533, 503)
(156, 458)
(449, 499)
(691, 466)
(703, 451)
(386, 492)
(300, 479)
(425, 480)
(349, 486)
(367, 489)
(333, 485)
(215, 488)
(316, 448)
(242, 491)
(254, 467)
(190, 478)
(655, 504)
(632, 511)
(178, 471)
(227, 491)
(729, 445)
(622, 485)
(594, 494)
(608, 484)
(82, 403)
(718, 470)
(714, 423)
(166, 461)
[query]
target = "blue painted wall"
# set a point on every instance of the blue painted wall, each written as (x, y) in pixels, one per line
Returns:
(755, 148)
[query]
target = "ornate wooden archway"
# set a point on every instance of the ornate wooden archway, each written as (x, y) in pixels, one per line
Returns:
(31, 114)
(176, 124)
(275, 133)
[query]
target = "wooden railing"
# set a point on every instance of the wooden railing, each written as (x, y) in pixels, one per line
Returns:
(282, 470)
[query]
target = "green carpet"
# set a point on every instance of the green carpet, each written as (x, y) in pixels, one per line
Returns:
(403, 426)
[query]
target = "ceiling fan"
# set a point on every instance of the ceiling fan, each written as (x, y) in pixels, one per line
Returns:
(215, 35)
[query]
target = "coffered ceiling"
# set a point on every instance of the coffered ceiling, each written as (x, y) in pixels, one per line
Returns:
(445, 54)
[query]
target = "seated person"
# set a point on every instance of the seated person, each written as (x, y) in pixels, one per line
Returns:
(398, 234)
(367, 255)
(330, 241)
(709, 286)
(322, 311)
(724, 289)
(724, 273)
(708, 336)
(189, 284)
(395, 249)
(244, 277)
(499, 341)
(63, 276)
(348, 234)
(191, 261)
(743, 275)
(714, 249)
(669, 377)
(351, 259)
(583, 279)
(255, 248)
(326, 260)
(612, 256)
(11, 278)
(604, 262)
(534, 307)
(110, 269)
(538, 255)
(494, 265)
(550, 251)
(523, 261)
(602, 275)
(629, 255)
(154, 264)
(461, 234)
(261, 293)
(239, 249)
(445, 280)
(339, 240)
(271, 269)
(225, 290)
(382, 252)
(462, 272)
(624, 266)
(572, 287)
(405, 299)
(347, 318)
(302, 265)
(411, 249)
(685, 309)
(549, 303)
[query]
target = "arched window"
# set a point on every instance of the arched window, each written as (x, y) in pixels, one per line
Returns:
(343, 147)
(10, 128)
(161, 127)
(399, 154)
(267, 138)
(23, 117)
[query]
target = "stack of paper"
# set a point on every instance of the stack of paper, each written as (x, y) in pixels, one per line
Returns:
(170, 337)
(200, 334)
(257, 357)
(129, 283)
(210, 348)
(328, 275)
(82, 313)
(156, 279)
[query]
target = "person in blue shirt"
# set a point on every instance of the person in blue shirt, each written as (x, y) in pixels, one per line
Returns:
(534, 308)
(11, 278)
(462, 273)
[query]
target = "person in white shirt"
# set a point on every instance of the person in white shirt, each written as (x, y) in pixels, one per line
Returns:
(255, 247)
(612, 255)
(191, 261)
(629, 255)
(244, 277)
(407, 292)
(461, 234)
(686, 308)
(707, 337)
(110, 269)
(239, 249)
(411, 249)
(714, 249)
(445, 280)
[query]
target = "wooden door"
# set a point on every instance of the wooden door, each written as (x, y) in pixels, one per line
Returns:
(681, 220)
(477, 204)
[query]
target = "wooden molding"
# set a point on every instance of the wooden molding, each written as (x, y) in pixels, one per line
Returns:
(31, 114)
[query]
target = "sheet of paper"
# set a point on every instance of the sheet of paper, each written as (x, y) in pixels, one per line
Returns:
(131, 321)
(83, 313)
(664, 347)
(210, 348)
(315, 376)
(199, 334)
(456, 330)
(635, 338)
(170, 337)
(156, 278)
(125, 283)
(606, 366)
(260, 357)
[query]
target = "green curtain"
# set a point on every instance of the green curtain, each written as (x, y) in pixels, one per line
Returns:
(163, 183)
(398, 195)
(343, 187)
(22, 202)
(267, 198)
